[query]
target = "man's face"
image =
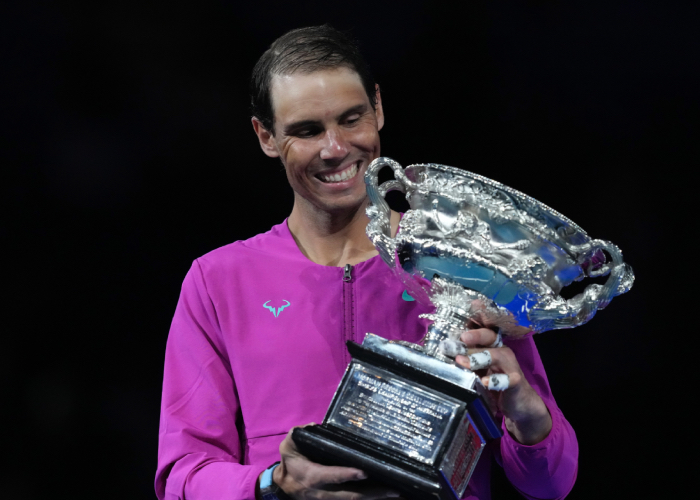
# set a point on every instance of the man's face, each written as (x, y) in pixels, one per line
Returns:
(326, 134)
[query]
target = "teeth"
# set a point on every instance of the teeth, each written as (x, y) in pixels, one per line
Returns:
(347, 174)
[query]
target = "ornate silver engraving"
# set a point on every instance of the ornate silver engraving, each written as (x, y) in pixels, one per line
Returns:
(484, 252)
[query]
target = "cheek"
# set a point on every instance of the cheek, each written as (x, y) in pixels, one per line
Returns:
(297, 156)
(367, 138)
(292, 150)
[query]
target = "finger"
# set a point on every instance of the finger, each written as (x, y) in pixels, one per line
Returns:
(479, 337)
(503, 359)
(322, 475)
(479, 360)
(503, 362)
(475, 360)
(288, 446)
(498, 342)
(499, 362)
(452, 348)
(496, 381)
(515, 379)
(310, 474)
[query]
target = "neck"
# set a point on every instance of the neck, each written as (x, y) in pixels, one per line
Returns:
(332, 239)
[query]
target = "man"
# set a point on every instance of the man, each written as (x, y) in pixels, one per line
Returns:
(257, 342)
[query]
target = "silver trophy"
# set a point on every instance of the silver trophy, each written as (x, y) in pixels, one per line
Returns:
(480, 252)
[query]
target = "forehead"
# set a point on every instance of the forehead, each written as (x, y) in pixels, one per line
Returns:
(316, 96)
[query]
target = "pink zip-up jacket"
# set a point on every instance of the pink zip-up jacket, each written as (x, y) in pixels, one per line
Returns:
(257, 346)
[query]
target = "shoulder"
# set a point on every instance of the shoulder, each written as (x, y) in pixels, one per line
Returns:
(271, 246)
(263, 242)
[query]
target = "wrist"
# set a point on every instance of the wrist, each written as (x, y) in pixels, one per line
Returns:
(269, 489)
(530, 428)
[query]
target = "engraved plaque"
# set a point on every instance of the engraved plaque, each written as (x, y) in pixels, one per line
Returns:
(379, 406)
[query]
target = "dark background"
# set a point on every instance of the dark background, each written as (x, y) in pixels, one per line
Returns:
(127, 152)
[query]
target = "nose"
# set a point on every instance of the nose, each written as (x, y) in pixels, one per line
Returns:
(334, 145)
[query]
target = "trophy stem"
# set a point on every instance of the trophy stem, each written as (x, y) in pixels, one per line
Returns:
(432, 341)
(448, 324)
(456, 307)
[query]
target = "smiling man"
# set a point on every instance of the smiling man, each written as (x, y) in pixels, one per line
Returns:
(326, 133)
(257, 343)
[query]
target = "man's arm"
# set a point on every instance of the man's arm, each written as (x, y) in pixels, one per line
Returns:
(199, 455)
(546, 469)
(199, 451)
(539, 450)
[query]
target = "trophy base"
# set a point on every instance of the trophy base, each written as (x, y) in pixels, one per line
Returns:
(409, 421)
(328, 446)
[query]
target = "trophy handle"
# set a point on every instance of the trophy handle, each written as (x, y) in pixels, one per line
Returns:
(581, 308)
(379, 227)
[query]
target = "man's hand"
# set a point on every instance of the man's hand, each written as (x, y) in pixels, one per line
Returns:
(302, 479)
(527, 417)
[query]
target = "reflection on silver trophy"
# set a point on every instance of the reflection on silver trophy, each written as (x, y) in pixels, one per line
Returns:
(477, 251)
(471, 240)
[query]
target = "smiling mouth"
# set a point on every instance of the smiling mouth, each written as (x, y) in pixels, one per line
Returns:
(344, 175)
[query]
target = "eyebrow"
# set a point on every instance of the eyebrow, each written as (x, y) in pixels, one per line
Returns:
(290, 128)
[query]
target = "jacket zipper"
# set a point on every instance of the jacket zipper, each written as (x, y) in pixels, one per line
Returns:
(348, 309)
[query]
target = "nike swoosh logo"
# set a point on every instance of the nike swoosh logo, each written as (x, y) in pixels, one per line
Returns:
(407, 297)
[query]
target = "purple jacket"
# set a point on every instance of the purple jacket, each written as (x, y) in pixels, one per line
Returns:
(257, 346)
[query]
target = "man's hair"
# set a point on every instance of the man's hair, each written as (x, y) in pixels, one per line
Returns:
(305, 50)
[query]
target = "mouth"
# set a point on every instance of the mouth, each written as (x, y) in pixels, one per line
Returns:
(341, 176)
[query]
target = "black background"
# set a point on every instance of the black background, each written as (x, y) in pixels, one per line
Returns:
(127, 152)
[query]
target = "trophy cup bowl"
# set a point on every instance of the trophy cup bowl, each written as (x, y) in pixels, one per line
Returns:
(504, 248)
(476, 250)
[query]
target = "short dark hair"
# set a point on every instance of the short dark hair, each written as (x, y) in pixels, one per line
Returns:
(305, 50)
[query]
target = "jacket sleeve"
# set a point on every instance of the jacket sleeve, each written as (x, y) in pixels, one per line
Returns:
(199, 452)
(548, 469)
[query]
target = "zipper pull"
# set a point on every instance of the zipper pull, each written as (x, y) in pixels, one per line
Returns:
(347, 272)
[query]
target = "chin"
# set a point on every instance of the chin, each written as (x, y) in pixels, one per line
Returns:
(345, 205)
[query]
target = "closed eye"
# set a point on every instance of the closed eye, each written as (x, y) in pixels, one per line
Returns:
(305, 132)
(303, 129)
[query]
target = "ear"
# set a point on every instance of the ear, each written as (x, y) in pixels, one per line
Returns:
(378, 110)
(267, 140)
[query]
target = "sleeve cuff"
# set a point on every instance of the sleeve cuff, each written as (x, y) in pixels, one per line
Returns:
(219, 480)
(547, 469)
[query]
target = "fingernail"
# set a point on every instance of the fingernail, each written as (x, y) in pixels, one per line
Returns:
(467, 338)
(360, 476)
